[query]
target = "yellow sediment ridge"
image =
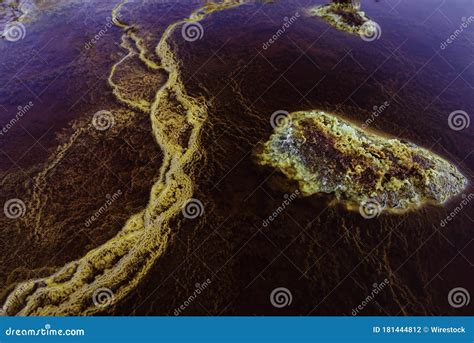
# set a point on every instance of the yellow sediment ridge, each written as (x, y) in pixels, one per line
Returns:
(36, 204)
(143, 106)
(129, 31)
(39, 182)
(123, 261)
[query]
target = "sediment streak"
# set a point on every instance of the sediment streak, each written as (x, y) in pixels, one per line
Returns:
(122, 262)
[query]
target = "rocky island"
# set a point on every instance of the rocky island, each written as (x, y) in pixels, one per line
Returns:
(326, 154)
(347, 16)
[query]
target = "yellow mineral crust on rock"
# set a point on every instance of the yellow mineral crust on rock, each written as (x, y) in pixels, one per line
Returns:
(343, 16)
(326, 154)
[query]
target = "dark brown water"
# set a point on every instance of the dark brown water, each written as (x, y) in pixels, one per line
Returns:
(329, 258)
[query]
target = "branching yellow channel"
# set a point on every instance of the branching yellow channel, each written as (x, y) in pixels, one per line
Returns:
(123, 261)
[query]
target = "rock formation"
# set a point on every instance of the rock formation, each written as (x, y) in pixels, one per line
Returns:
(326, 154)
(346, 16)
